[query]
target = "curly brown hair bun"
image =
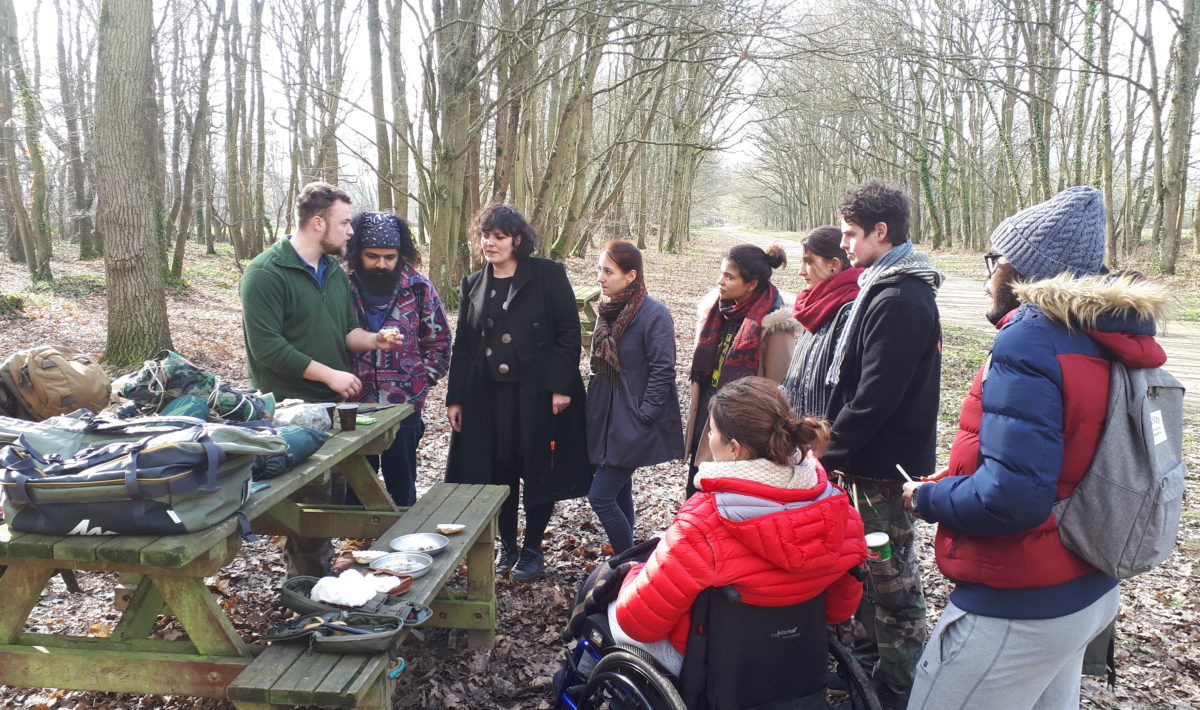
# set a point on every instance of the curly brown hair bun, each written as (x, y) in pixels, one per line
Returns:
(776, 256)
(754, 411)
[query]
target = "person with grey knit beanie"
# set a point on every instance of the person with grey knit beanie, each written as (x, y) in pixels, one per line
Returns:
(1023, 605)
(1064, 233)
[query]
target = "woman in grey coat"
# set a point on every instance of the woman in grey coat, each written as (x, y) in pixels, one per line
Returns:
(633, 415)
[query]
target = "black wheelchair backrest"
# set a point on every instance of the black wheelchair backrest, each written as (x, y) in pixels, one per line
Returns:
(740, 655)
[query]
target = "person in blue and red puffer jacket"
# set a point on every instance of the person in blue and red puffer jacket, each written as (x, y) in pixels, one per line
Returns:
(766, 520)
(1024, 607)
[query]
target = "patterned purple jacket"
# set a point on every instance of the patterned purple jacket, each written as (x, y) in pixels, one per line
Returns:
(405, 374)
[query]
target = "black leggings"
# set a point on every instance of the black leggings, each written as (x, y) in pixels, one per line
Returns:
(537, 517)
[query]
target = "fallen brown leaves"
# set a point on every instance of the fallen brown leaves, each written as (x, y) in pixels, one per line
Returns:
(1158, 651)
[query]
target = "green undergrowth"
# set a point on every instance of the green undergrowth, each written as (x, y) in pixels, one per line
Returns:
(11, 303)
(76, 286)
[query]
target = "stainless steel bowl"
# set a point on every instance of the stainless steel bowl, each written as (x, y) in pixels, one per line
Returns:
(415, 564)
(428, 543)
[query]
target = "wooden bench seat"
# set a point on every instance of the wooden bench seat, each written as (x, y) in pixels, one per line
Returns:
(288, 674)
(586, 298)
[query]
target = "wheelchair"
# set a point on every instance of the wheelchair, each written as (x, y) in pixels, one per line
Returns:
(739, 657)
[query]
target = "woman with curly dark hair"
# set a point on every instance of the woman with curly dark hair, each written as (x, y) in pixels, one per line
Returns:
(515, 396)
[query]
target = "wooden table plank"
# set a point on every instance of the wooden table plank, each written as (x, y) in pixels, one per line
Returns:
(373, 666)
(342, 677)
(254, 684)
(451, 503)
(296, 685)
(119, 671)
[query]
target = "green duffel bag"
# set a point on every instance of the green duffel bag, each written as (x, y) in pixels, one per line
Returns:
(151, 477)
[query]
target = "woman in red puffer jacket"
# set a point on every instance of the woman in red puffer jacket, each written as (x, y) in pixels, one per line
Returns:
(766, 520)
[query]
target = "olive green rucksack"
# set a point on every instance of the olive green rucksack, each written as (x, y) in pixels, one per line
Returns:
(49, 380)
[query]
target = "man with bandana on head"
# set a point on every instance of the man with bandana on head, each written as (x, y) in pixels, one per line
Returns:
(299, 323)
(392, 297)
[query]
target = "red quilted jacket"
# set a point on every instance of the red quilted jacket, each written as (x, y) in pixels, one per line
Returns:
(776, 546)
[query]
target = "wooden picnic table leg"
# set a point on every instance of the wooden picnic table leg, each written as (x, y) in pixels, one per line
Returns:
(202, 618)
(481, 583)
(137, 621)
(366, 485)
(20, 589)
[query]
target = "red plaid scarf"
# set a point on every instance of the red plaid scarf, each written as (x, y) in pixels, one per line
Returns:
(741, 360)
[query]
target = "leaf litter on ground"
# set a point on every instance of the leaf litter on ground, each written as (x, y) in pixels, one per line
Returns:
(1158, 642)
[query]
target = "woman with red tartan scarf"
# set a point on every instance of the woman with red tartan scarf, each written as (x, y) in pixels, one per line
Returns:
(823, 309)
(745, 330)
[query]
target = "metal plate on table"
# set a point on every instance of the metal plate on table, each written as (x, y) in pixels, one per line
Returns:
(411, 563)
(428, 543)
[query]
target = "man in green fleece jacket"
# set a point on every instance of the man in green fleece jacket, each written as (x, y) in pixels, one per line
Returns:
(296, 306)
(298, 322)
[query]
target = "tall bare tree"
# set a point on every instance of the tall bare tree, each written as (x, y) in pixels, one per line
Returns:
(125, 191)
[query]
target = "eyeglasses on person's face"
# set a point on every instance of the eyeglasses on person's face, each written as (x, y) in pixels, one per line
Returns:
(992, 261)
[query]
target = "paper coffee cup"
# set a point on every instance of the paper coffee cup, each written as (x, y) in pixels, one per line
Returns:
(879, 546)
(348, 416)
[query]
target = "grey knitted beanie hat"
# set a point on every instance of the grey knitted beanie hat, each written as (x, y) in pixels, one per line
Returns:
(1064, 233)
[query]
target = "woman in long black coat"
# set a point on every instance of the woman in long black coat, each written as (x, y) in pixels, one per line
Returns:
(633, 402)
(514, 398)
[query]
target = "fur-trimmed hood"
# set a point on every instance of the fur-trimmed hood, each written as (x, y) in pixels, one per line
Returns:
(1120, 313)
(781, 321)
(1105, 303)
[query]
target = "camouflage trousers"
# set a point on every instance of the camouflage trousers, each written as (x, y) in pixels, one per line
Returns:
(888, 630)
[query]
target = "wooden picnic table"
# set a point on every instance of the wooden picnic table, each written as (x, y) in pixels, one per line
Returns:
(169, 574)
(586, 298)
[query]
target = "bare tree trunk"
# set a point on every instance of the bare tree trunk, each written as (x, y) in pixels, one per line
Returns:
(1180, 132)
(37, 252)
(398, 178)
(1105, 138)
(125, 127)
(81, 208)
(332, 69)
(263, 229)
(457, 22)
(235, 101)
(383, 151)
(182, 215)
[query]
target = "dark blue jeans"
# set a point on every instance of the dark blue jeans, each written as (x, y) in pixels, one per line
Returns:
(399, 463)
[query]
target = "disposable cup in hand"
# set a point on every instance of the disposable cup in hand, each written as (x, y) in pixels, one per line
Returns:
(348, 415)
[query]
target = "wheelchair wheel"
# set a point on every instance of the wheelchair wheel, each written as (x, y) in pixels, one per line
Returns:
(860, 691)
(624, 681)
